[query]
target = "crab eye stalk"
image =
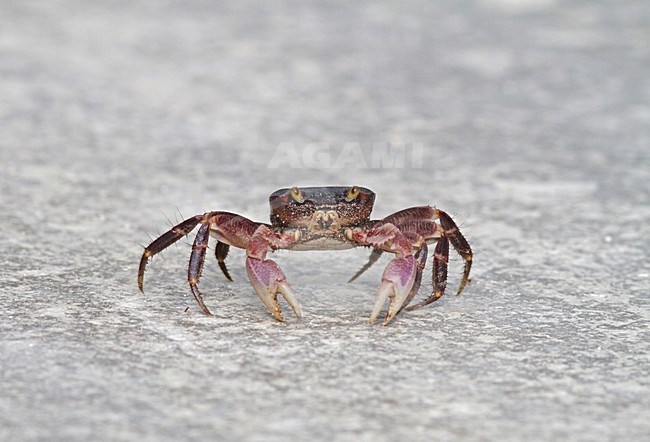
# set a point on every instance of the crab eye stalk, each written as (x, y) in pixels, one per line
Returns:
(352, 194)
(297, 195)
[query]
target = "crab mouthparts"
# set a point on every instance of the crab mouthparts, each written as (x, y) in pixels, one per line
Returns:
(322, 221)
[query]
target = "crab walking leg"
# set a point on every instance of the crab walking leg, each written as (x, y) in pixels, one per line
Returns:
(221, 252)
(427, 229)
(396, 284)
(440, 262)
(265, 275)
(421, 262)
(440, 259)
(418, 219)
(197, 258)
(373, 258)
(410, 214)
(414, 219)
(432, 231)
(228, 228)
(165, 240)
(460, 244)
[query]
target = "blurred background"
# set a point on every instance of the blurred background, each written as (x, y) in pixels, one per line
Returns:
(528, 121)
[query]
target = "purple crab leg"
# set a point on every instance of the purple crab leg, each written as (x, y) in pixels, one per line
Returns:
(420, 221)
(440, 258)
(421, 261)
(410, 214)
(414, 219)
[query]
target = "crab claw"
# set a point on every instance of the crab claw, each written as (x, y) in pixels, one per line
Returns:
(269, 280)
(396, 284)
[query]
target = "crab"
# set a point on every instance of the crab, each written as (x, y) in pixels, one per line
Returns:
(325, 218)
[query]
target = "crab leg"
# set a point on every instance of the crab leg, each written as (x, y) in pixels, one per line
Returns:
(410, 214)
(431, 231)
(229, 228)
(164, 241)
(440, 258)
(439, 274)
(197, 258)
(427, 229)
(460, 244)
(221, 252)
(400, 274)
(421, 261)
(374, 257)
(411, 220)
(420, 220)
(265, 275)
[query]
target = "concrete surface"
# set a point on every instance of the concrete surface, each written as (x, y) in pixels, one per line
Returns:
(533, 118)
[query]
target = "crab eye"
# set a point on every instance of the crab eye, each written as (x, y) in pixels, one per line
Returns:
(296, 194)
(352, 193)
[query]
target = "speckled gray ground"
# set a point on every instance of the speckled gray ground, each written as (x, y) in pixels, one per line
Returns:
(534, 118)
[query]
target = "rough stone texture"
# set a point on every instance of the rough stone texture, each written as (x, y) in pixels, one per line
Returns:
(534, 118)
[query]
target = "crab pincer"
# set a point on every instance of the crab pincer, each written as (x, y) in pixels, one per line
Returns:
(268, 280)
(396, 284)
